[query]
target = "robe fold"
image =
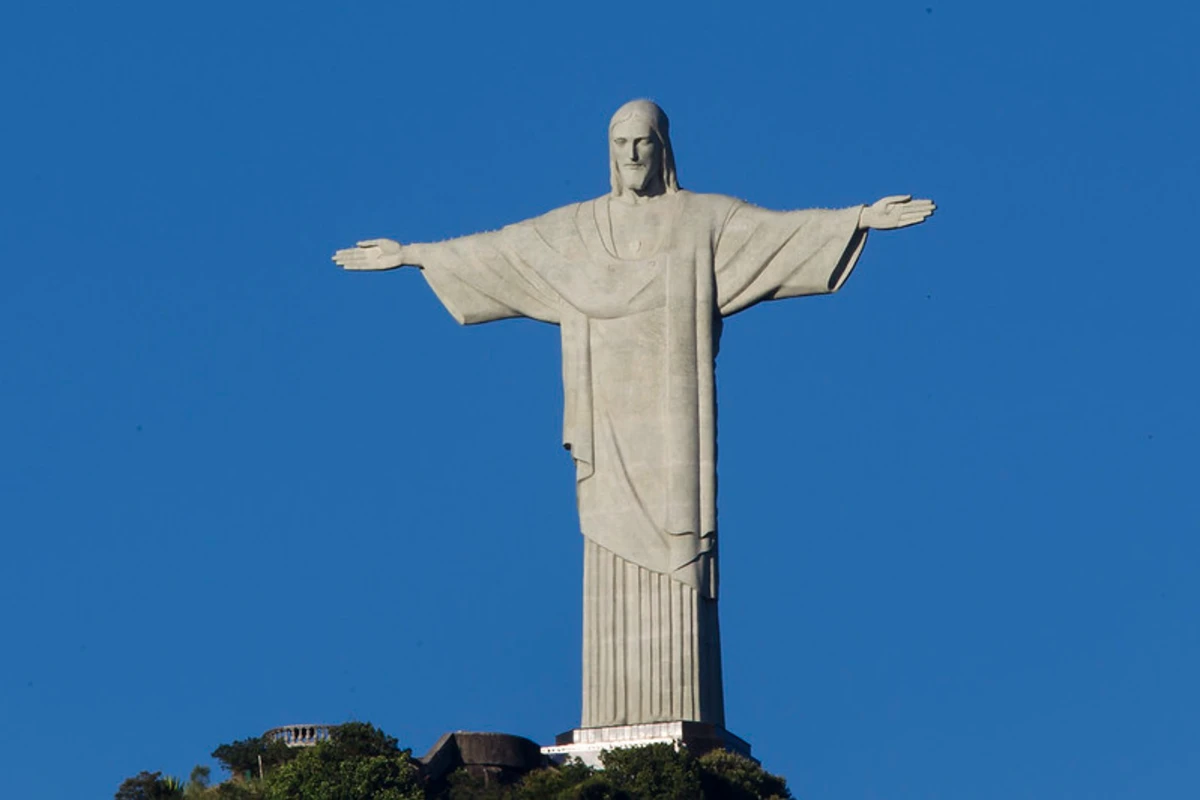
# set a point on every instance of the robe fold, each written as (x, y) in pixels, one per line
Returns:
(639, 339)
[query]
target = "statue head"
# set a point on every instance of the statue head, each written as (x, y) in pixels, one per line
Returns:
(639, 148)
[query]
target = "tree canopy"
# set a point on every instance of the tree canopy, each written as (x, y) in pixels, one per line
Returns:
(361, 762)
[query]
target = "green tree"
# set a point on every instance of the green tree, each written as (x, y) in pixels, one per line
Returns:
(197, 785)
(728, 776)
(149, 786)
(236, 790)
(354, 739)
(656, 771)
(358, 762)
(597, 787)
(317, 774)
(641, 773)
(462, 785)
(572, 782)
(240, 758)
(565, 781)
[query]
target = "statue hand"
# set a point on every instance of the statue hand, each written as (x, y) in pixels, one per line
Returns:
(371, 254)
(895, 211)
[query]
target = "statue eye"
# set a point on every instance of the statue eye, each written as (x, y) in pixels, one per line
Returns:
(620, 141)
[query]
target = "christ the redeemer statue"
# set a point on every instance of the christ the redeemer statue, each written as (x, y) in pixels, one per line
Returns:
(638, 281)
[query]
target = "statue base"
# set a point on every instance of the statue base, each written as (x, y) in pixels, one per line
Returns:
(586, 744)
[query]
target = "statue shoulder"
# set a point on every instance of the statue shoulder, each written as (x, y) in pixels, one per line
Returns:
(559, 228)
(708, 200)
(718, 207)
(562, 217)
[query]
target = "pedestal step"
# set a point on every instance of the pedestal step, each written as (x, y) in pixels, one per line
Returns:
(586, 744)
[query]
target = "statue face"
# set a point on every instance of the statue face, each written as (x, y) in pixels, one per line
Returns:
(638, 155)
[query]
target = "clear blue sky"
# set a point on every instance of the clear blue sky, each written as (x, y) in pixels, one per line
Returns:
(240, 488)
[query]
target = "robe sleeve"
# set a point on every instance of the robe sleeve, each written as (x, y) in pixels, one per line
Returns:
(767, 255)
(493, 275)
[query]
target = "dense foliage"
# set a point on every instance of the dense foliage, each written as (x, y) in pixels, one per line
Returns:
(653, 772)
(153, 786)
(361, 762)
(149, 786)
(241, 758)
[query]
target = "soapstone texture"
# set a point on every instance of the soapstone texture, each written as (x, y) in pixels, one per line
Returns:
(638, 282)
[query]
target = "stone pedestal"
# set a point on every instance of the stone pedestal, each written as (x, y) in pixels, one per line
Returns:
(587, 743)
(499, 758)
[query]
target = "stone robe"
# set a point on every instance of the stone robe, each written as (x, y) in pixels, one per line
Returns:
(639, 338)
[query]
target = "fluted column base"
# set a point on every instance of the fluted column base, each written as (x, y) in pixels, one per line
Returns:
(651, 647)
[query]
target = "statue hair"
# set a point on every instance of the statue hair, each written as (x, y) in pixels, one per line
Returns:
(649, 111)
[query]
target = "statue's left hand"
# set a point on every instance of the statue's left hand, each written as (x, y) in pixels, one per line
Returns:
(371, 254)
(895, 211)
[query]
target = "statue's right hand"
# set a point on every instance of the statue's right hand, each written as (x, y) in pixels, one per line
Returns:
(371, 254)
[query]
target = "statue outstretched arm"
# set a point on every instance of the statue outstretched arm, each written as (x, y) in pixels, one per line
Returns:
(374, 255)
(479, 278)
(895, 211)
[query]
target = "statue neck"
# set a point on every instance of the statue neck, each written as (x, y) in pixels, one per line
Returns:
(634, 198)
